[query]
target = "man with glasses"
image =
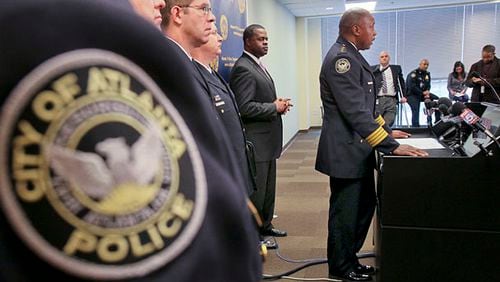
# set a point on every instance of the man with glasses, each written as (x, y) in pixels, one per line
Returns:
(489, 68)
(188, 23)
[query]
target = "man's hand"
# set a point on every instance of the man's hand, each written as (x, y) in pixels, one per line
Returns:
(407, 150)
(403, 100)
(288, 104)
(281, 105)
(400, 134)
(426, 94)
(477, 80)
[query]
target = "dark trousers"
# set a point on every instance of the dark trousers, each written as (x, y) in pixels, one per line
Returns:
(263, 198)
(352, 204)
(414, 102)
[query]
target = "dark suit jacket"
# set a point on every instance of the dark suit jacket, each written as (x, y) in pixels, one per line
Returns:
(349, 131)
(492, 76)
(227, 109)
(397, 77)
(225, 246)
(255, 94)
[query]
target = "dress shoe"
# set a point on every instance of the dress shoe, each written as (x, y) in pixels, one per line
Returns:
(351, 276)
(364, 269)
(274, 232)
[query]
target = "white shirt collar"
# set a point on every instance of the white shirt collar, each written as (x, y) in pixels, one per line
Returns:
(182, 48)
(353, 45)
(209, 69)
(253, 57)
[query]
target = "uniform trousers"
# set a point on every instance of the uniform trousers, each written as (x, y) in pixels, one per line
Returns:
(352, 204)
(264, 197)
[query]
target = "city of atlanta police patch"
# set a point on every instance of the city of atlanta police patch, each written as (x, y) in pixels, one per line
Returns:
(100, 176)
(342, 65)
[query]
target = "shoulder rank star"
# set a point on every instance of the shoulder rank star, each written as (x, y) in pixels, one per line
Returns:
(343, 49)
(342, 65)
(413, 75)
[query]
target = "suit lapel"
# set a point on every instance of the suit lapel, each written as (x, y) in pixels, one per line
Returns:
(259, 70)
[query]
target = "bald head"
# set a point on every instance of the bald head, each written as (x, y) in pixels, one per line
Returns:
(424, 64)
(384, 58)
(357, 25)
(350, 18)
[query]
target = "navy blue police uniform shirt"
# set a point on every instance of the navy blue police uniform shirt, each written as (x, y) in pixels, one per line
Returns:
(351, 129)
(418, 82)
(111, 166)
(227, 110)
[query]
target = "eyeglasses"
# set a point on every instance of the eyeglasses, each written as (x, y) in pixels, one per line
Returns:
(206, 9)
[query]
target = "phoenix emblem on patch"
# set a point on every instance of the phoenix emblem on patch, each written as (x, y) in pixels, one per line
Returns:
(100, 176)
(342, 65)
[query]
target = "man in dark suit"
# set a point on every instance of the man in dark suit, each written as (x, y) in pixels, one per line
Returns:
(224, 103)
(261, 112)
(489, 68)
(350, 132)
(391, 85)
(192, 229)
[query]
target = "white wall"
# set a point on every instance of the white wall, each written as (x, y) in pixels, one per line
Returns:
(309, 65)
(281, 60)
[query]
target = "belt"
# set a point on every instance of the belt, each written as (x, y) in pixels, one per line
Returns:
(390, 96)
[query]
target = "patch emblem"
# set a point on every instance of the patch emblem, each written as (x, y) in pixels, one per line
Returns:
(100, 176)
(342, 65)
(224, 27)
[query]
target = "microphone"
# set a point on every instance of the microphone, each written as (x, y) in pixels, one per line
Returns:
(474, 121)
(445, 101)
(429, 104)
(457, 108)
(444, 105)
(476, 74)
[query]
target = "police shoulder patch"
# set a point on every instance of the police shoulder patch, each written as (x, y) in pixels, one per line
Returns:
(100, 176)
(342, 65)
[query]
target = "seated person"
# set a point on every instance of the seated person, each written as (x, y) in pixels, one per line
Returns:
(456, 83)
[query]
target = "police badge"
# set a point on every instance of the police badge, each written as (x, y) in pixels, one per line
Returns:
(101, 176)
(342, 65)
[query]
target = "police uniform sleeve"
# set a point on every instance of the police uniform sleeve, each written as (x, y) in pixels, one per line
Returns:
(244, 87)
(412, 84)
(343, 79)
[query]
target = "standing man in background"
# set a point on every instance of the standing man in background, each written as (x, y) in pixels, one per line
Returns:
(419, 86)
(349, 135)
(391, 82)
(489, 68)
(261, 112)
(224, 103)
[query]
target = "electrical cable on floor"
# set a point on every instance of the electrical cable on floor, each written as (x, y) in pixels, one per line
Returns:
(308, 263)
(295, 260)
(310, 279)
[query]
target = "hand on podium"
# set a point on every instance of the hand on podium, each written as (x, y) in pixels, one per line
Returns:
(398, 134)
(408, 150)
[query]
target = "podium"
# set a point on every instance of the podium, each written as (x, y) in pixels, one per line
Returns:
(438, 217)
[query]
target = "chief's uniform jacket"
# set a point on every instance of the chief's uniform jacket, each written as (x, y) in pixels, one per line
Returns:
(226, 246)
(350, 127)
(350, 132)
